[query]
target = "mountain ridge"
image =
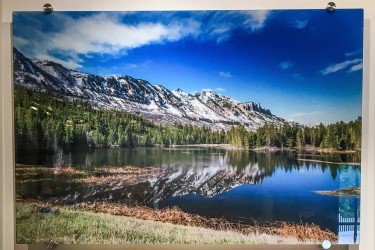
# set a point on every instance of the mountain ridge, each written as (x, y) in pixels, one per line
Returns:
(154, 102)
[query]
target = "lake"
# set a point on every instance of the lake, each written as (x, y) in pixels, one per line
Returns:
(240, 186)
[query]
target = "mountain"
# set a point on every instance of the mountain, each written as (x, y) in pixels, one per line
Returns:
(153, 102)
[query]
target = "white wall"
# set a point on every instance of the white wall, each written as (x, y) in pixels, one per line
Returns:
(1, 122)
(6, 129)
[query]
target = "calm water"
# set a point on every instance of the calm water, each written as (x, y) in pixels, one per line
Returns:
(239, 186)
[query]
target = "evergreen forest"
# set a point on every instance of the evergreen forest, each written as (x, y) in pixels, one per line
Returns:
(45, 123)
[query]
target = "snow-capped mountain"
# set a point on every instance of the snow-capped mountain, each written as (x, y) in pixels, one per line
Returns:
(153, 102)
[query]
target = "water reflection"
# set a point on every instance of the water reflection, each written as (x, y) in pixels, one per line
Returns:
(241, 186)
(237, 161)
(202, 171)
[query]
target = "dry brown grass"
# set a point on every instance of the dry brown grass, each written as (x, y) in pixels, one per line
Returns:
(127, 170)
(174, 215)
(64, 170)
(127, 175)
(306, 231)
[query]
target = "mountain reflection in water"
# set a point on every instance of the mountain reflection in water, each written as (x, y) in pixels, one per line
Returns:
(240, 186)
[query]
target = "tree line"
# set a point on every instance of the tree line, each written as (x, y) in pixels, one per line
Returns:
(45, 123)
(338, 136)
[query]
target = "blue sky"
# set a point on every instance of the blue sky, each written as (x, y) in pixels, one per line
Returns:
(304, 65)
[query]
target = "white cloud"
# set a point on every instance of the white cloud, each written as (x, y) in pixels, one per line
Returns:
(220, 89)
(356, 67)
(301, 116)
(301, 24)
(18, 41)
(225, 74)
(340, 66)
(221, 25)
(214, 90)
(103, 33)
(285, 65)
(353, 53)
(106, 35)
(256, 19)
(70, 64)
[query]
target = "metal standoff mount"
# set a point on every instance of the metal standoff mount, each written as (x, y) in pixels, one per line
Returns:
(326, 244)
(331, 7)
(47, 8)
(50, 244)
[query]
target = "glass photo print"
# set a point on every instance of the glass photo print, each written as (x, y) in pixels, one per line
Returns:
(188, 127)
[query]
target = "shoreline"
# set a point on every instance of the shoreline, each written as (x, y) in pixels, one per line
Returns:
(219, 146)
(348, 192)
(330, 162)
(265, 149)
(297, 231)
(270, 149)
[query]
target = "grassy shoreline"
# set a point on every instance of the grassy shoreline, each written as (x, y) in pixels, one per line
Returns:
(38, 221)
(70, 226)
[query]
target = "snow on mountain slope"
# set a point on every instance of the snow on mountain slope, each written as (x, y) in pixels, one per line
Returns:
(154, 102)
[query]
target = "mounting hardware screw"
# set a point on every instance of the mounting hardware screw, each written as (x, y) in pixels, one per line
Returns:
(331, 7)
(47, 8)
